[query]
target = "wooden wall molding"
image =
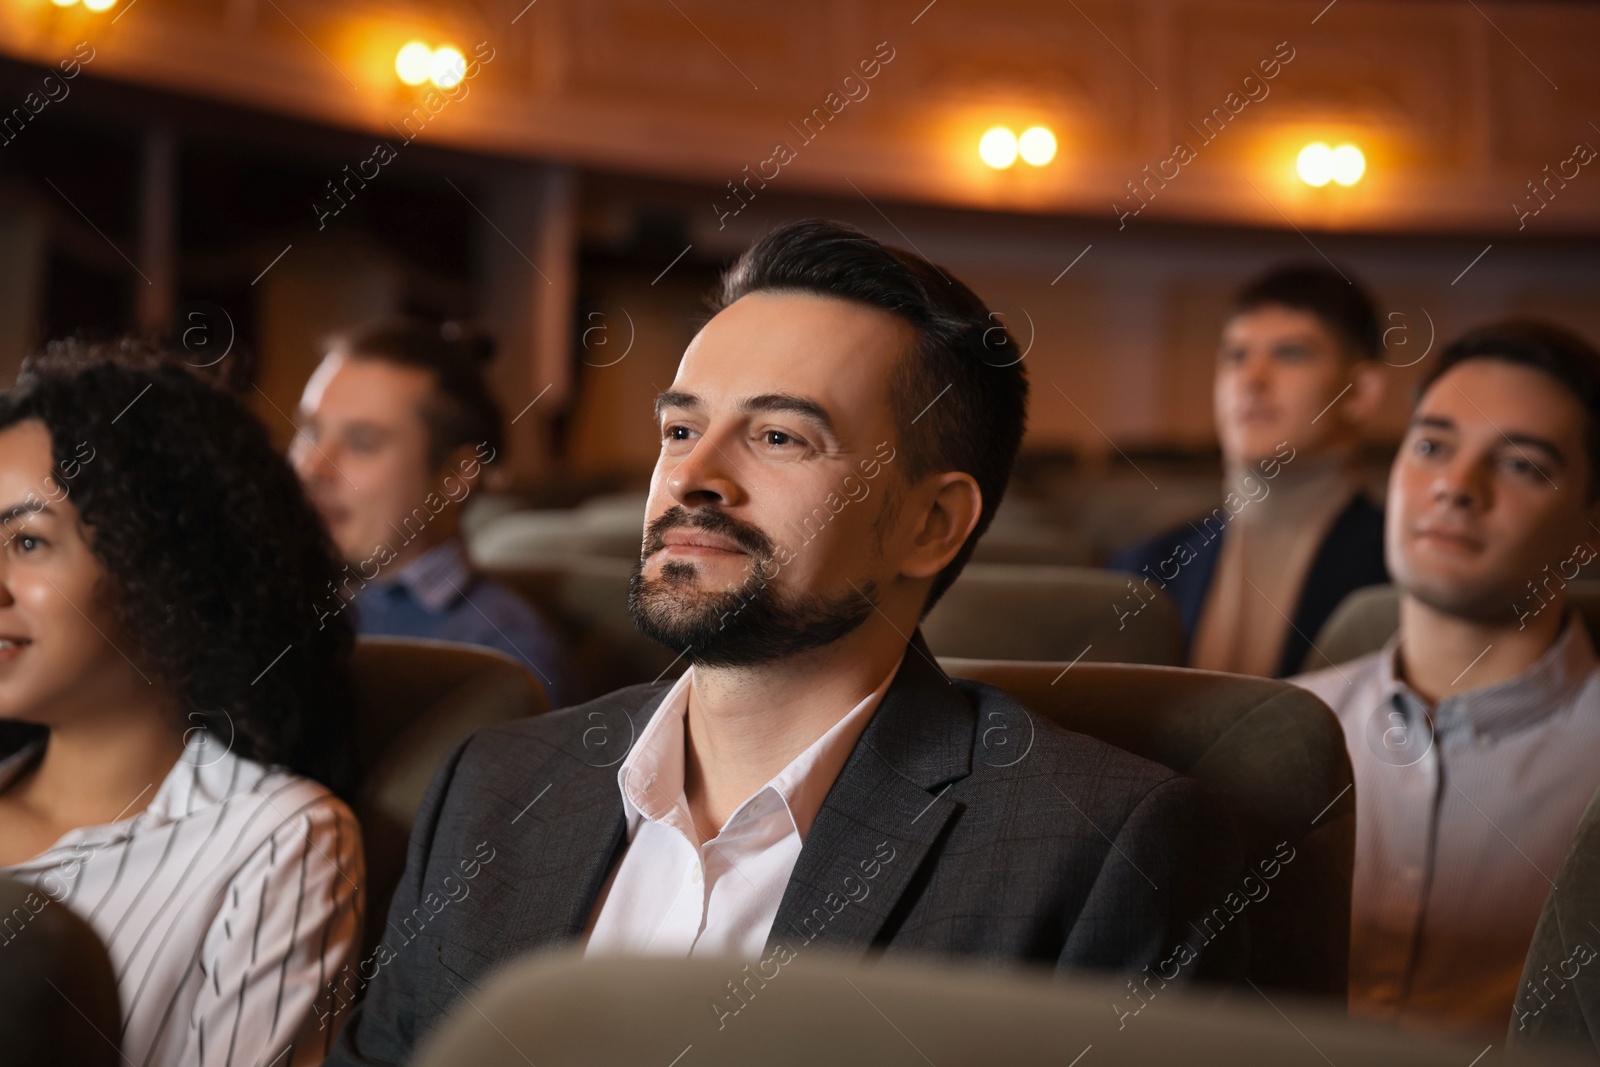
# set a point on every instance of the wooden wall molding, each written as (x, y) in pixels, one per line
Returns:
(1458, 106)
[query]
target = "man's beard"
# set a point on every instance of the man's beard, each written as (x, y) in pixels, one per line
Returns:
(746, 626)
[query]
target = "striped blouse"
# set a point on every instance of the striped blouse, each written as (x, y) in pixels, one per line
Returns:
(227, 906)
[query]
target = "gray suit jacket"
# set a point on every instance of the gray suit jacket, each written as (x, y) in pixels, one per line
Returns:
(961, 825)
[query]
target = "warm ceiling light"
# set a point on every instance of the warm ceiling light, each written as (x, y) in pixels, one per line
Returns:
(447, 66)
(998, 148)
(1037, 145)
(99, 5)
(1348, 164)
(1318, 164)
(64, 3)
(413, 62)
(1315, 164)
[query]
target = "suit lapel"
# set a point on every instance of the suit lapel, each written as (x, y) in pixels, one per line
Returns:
(583, 826)
(874, 830)
(884, 812)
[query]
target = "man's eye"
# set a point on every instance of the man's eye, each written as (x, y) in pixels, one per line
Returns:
(27, 542)
(675, 433)
(1425, 447)
(1522, 467)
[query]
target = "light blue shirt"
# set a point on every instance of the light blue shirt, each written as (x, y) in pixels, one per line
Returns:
(438, 596)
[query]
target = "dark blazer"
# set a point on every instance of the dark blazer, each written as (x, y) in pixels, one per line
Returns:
(1350, 556)
(936, 838)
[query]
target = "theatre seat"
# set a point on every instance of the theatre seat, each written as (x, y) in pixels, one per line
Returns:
(586, 599)
(556, 1010)
(1558, 1003)
(529, 538)
(1368, 617)
(1271, 750)
(610, 525)
(414, 700)
(58, 992)
(996, 611)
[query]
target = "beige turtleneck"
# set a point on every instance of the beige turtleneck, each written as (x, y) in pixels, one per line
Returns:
(1266, 554)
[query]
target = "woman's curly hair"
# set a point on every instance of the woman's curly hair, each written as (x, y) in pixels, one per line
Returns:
(214, 559)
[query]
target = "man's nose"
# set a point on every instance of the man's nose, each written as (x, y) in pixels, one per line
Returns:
(1463, 483)
(310, 460)
(707, 475)
(1255, 371)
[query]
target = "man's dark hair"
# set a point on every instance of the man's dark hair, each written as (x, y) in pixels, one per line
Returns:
(1544, 346)
(959, 396)
(462, 410)
(215, 564)
(1339, 303)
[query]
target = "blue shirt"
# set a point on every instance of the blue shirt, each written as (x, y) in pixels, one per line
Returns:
(438, 596)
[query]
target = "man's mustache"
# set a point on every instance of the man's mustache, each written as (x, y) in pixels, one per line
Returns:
(747, 537)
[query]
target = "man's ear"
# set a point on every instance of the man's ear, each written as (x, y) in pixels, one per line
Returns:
(947, 506)
(1591, 536)
(460, 473)
(1368, 383)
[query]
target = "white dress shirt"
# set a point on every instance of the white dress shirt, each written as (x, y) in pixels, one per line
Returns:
(1463, 817)
(227, 906)
(672, 895)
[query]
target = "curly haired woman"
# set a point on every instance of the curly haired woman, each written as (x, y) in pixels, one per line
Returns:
(159, 568)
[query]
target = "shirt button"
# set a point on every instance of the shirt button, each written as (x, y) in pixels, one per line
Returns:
(694, 874)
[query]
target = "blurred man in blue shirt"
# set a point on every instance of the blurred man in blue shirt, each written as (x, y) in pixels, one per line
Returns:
(396, 425)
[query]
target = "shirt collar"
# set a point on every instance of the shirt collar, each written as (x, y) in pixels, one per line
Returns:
(1514, 704)
(651, 777)
(438, 577)
(206, 773)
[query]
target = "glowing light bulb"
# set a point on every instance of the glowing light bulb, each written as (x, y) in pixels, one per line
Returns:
(1348, 164)
(412, 63)
(1315, 164)
(99, 5)
(998, 148)
(447, 67)
(1037, 145)
(64, 3)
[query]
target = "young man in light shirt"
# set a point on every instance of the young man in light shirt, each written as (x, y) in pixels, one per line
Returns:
(1475, 732)
(835, 440)
(1297, 379)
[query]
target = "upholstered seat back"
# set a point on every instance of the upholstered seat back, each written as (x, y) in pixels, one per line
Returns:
(586, 599)
(1367, 618)
(1271, 750)
(558, 1010)
(1006, 611)
(414, 700)
(1558, 1003)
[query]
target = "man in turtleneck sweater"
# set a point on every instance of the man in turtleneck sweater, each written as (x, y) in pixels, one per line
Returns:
(1297, 378)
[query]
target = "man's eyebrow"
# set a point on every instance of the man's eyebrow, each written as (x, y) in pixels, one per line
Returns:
(1434, 422)
(16, 511)
(1517, 440)
(1544, 444)
(673, 398)
(798, 405)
